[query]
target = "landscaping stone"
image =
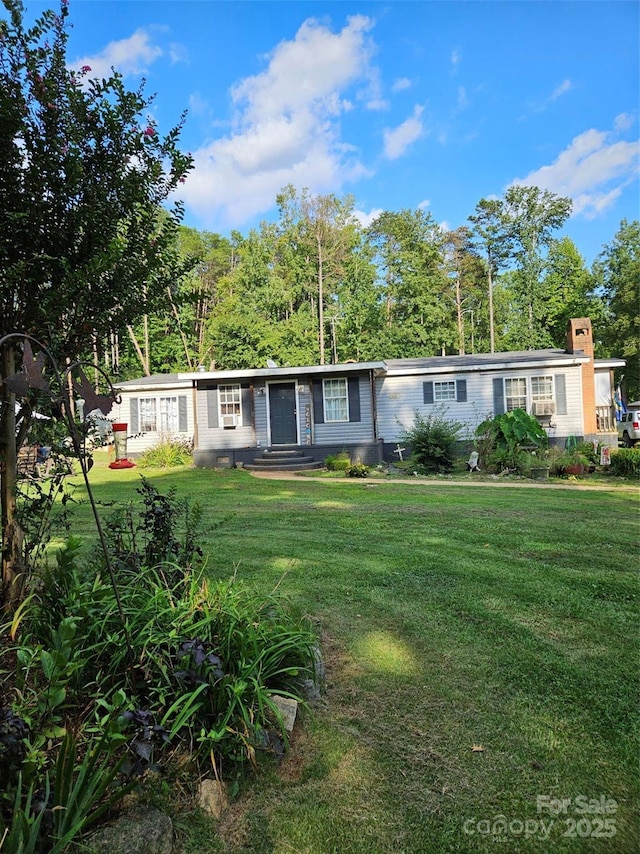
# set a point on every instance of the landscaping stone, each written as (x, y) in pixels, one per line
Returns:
(313, 689)
(140, 831)
(212, 798)
(288, 708)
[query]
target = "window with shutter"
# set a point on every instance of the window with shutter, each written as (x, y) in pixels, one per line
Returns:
(336, 400)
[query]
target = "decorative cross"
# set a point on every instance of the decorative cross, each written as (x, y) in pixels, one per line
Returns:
(398, 450)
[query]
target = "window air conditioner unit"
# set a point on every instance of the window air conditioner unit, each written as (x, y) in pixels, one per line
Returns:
(546, 408)
(228, 420)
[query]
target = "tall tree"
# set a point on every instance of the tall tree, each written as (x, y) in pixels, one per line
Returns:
(409, 257)
(617, 271)
(568, 290)
(464, 268)
(531, 216)
(83, 250)
(325, 230)
(491, 233)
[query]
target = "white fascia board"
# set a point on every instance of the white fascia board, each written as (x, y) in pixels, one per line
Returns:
(609, 363)
(176, 385)
(280, 373)
(486, 368)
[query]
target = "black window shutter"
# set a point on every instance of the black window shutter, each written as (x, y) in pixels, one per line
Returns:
(461, 391)
(318, 403)
(133, 415)
(246, 399)
(561, 394)
(427, 392)
(212, 407)
(354, 398)
(498, 396)
(182, 414)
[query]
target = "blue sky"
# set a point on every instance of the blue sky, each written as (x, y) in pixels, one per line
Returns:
(402, 104)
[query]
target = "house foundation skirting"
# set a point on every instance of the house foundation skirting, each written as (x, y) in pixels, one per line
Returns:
(369, 453)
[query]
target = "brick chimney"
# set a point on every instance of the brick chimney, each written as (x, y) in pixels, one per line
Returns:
(580, 339)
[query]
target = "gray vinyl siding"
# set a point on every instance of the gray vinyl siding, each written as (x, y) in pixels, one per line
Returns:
(336, 432)
(127, 412)
(400, 397)
(210, 433)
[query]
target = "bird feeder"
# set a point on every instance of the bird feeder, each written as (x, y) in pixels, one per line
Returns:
(120, 445)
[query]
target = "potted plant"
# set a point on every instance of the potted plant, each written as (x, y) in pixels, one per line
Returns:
(571, 462)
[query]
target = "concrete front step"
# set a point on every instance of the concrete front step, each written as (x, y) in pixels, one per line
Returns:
(283, 459)
(281, 465)
(272, 460)
(283, 452)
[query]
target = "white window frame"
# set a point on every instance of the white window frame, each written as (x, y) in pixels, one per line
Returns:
(510, 396)
(542, 395)
(168, 414)
(147, 414)
(444, 391)
(335, 399)
(230, 402)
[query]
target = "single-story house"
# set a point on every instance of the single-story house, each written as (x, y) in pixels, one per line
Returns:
(258, 415)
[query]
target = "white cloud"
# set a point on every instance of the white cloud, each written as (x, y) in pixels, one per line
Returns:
(286, 128)
(178, 53)
(592, 170)
(424, 205)
(310, 69)
(400, 84)
(534, 107)
(398, 140)
(128, 56)
(455, 58)
(463, 98)
(377, 104)
(564, 87)
(365, 219)
(623, 122)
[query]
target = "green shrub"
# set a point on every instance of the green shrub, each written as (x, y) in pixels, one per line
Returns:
(589, 452)
(504, 439)
(569, 458)
(358, 470)
(163, 660)
(625, 462)
(162, 529)
(338, 462)
(167, 453)
(432, 441)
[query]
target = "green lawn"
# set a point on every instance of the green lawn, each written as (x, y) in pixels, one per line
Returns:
(451, 618)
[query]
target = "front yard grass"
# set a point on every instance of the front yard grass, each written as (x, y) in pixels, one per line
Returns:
(481, 649)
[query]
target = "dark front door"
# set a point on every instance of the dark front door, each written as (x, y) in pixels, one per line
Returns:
(282, 408)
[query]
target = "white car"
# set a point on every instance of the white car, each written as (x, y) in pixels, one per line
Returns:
(629, 426)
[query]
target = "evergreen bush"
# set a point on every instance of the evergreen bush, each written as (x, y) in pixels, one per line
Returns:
(432, 440)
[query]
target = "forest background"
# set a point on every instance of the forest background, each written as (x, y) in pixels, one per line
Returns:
(316, 287)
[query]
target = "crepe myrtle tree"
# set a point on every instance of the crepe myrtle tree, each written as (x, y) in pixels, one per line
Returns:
(86, 245)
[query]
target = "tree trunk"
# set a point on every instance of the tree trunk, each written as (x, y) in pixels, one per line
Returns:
(138, 349)
(183, 337)
(12, 535)
(492, 335)
(321, 302)
(459, 314)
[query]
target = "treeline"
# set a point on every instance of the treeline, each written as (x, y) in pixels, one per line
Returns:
(316, 287)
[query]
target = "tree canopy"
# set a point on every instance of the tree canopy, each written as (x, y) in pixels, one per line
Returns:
(87, 245)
